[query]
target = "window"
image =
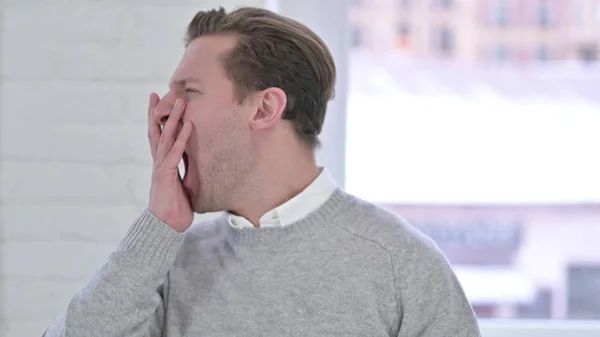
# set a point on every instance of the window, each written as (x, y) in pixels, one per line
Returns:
(577, 13)
(542, 54)
(500, 13)
(500, 54)
(588, 54)
(446, 4)
(403, 33)
(543, 15)
(355, 36)
(403, 29)
(583, 281)
(443, 41)
(478, 165)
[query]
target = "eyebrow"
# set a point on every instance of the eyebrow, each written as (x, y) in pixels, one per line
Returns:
(182, 82)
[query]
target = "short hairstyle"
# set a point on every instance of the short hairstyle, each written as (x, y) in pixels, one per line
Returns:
(275, 51)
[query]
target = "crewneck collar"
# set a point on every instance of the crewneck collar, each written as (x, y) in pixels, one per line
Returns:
(308, 225)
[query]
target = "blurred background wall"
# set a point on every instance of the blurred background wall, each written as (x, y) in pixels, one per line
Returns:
(74, 161)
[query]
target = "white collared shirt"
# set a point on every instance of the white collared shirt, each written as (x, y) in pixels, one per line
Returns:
(311, 198)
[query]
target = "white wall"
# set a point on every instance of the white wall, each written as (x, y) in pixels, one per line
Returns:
(74, 163)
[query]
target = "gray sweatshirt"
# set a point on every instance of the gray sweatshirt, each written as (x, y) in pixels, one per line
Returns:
(349, 268)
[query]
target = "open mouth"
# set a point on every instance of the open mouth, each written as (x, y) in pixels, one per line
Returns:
(183, 166)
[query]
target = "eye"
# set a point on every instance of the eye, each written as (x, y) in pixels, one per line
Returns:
(188, 90)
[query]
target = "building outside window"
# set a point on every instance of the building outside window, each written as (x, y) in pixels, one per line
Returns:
(497, 166)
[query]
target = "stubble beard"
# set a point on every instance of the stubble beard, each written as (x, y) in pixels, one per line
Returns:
(221, 185)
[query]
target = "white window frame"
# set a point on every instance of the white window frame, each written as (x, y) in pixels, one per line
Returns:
(329, 19)
(539, 328)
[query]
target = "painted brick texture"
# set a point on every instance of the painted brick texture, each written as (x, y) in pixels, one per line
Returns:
(74, 162)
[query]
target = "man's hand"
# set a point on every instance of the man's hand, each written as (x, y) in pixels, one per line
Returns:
(169, 201)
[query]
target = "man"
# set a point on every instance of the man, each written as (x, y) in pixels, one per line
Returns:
(292, 254)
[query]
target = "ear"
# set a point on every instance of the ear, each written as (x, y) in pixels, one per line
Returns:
(271, 103)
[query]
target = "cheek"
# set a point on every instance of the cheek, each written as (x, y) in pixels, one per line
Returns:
(216, 125)
(198, 116)
(204, 141)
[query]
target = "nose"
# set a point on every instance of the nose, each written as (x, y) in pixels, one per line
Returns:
(164, 107)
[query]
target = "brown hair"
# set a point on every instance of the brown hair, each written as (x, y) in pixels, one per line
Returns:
(275, 51)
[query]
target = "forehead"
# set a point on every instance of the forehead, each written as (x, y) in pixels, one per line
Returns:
(202, 57)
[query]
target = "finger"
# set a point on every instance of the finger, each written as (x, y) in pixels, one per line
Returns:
(153, 127)
(169, 132)
(176, 153)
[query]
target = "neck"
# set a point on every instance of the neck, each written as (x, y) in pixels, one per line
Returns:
(277, 180)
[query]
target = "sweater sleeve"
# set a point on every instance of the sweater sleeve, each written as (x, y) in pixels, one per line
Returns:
(124, 297)
(431, 299)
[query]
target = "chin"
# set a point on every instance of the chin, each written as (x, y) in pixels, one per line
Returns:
(206, 204)
(200, 207)
(196, 207)
(195, 199)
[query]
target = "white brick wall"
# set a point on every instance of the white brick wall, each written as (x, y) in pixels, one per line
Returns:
(74, 163)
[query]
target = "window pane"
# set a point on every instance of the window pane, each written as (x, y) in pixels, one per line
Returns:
(501, 54)
(487, 150)
(542, 53)
(543, 14)
(500, 12)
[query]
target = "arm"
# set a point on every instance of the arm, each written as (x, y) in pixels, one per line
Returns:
(431, 299)
(124, 297)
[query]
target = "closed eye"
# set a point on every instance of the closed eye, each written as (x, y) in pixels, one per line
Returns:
(187, 90)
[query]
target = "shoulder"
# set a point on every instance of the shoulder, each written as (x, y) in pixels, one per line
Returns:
(392, 232)
(211, 229)
(423, 278)
(415, 258)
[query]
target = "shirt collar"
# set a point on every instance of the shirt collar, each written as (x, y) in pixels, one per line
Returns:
(311, 198)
